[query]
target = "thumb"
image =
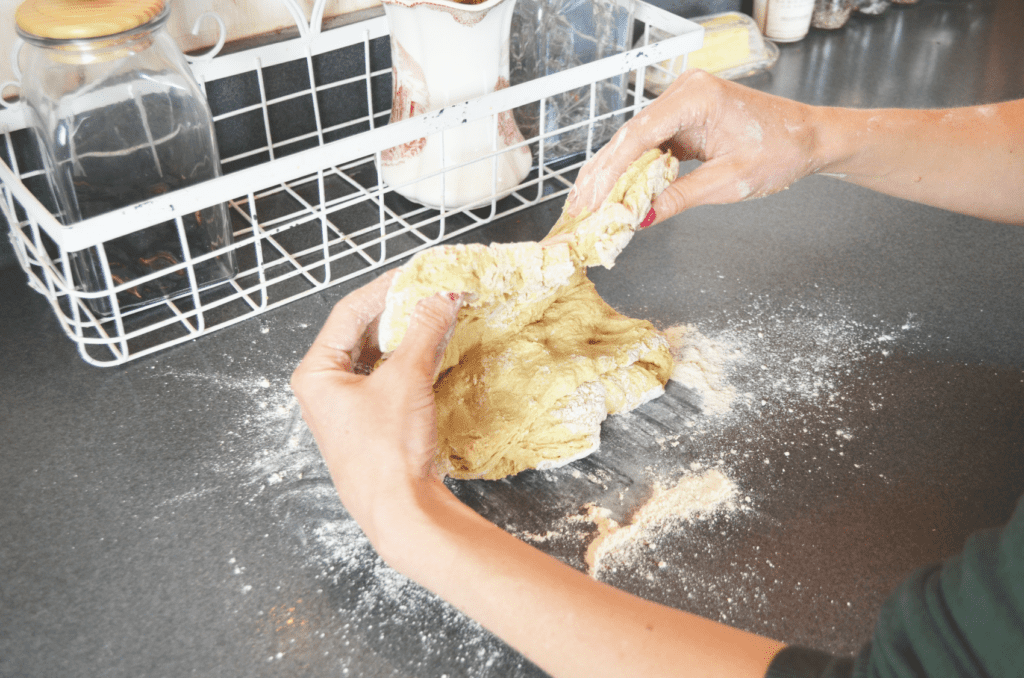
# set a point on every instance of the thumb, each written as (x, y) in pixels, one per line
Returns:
(430, 327)
(712, 183)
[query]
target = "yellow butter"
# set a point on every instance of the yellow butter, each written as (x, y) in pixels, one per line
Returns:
(725, 45)
(733, 48)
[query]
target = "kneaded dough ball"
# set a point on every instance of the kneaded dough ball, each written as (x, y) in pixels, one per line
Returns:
(537, 359)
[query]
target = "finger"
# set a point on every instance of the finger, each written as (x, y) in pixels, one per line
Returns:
(599, 175)
(713, 183)
(658, 123)
(342, 334)
(430, 327)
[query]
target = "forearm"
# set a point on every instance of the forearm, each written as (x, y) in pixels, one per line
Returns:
(969, 160)
(561, 619)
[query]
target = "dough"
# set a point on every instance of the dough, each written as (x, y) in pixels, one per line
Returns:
(537, 359)
(598, 238)
(506, 285)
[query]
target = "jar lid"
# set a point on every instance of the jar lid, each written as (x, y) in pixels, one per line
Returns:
(84, 19)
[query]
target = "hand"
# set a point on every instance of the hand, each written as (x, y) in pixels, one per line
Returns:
(377, 433)
(752, 144)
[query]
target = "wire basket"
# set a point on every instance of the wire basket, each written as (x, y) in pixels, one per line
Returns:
(308, 208)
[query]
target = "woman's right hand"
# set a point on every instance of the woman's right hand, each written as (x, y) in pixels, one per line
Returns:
(378, 432)
(751, 144)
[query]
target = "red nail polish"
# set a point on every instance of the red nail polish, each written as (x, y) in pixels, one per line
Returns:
(454, 296)
(649, 219)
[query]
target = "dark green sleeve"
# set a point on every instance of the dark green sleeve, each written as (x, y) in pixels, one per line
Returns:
(960, 619)
(803, 662)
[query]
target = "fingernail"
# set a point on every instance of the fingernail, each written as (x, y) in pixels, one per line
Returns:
(442, 347)
(649, 219)
(570, 201)
(455, 298)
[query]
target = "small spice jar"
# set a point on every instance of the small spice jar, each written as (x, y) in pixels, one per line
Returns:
(831, 14)
(872, 7)
(784, 20)
(120, 119)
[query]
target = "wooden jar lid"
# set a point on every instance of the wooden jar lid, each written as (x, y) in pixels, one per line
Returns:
(84, 19)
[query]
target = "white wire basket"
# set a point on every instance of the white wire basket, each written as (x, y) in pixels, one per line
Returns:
(308, 210)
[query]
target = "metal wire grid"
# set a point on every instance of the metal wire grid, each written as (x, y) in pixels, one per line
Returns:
(308, 208)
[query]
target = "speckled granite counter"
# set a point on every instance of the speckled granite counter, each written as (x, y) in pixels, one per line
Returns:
(172, 517)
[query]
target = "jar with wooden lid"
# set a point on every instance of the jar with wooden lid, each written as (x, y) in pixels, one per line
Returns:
(121, 119)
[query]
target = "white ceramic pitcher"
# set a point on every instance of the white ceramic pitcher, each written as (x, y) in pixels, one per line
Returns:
(445, 53)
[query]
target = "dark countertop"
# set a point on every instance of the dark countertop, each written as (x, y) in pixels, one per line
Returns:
(172, 517)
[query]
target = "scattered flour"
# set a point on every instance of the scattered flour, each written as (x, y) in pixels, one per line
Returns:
(764, 367)
(755, 383)
(695, 496)
(700, 364)
(277, 463)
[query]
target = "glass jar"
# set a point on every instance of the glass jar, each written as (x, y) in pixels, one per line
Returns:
(550, 36)
(120, 119)
(831, 14)
(784, 20)
(872, 7)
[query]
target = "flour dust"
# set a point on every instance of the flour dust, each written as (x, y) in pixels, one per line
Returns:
(275, 459)
(772, 385)
(765, 367)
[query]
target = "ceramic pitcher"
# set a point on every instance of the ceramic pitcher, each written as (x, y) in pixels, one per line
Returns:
(445, 53)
